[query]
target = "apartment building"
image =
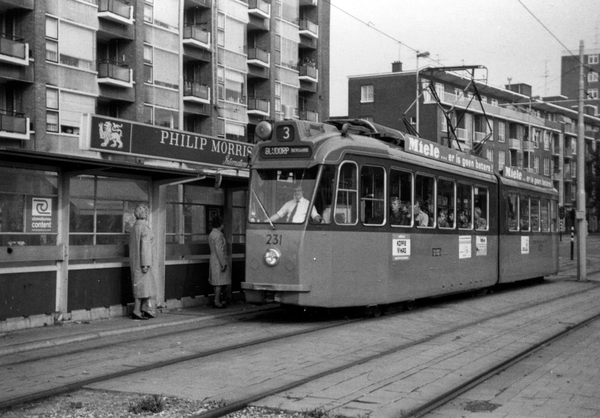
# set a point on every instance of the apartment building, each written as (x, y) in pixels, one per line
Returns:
(508, 126)
(105, 104)
(569, 81)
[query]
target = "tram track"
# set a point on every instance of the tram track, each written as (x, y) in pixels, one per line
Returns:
(429, 405)
(241, 403)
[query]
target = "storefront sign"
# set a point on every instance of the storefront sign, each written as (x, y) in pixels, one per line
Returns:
(124, 137)
(435, 151)
(41, 214)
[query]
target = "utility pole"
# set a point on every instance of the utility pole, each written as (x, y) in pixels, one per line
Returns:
(580, 214)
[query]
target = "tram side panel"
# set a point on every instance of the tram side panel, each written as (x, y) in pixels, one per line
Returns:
(434, 264)
(524, 257)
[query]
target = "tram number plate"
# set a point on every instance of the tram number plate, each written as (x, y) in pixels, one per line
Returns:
(274, 239)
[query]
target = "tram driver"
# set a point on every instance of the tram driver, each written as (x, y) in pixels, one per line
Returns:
(294, 211)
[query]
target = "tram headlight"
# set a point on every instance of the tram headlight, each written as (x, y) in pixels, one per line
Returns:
(272, 256)
(263, 130)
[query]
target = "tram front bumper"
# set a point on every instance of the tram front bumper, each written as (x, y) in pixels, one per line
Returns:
(270, 292)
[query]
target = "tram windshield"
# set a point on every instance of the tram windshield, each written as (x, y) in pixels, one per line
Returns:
(283, 196)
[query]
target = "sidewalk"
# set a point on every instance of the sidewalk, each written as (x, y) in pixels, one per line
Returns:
(76, 331)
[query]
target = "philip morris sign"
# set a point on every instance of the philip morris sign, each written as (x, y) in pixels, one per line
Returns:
(124, 137)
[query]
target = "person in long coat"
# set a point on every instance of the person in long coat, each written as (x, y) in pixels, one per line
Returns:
(219, 274)
(143, 268)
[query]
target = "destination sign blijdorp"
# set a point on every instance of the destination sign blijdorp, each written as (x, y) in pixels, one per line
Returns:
(301, 151)
(124, 137)
(434, 151)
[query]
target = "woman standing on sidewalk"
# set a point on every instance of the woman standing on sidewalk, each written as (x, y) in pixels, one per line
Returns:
(220, 272)
(141, 263)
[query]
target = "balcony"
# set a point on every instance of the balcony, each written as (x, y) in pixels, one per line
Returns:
(304, 3)
(14, 50)
(14, 4)
(116, 11)
(115, 74)
(14, 125)
(514, 143)
(309, 28)
(479, 137)
(201, 3)
(309, 115)
(567, 152)
(308, 73)
(259, 8)
(259, 107)
(462, 134)
(195, 92)
(257, 56)
(556, 151)
(491, 110)
(194, 35)
(528, 146)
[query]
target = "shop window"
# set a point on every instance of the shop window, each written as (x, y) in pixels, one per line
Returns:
(28, 207)
(101, 209)
(188, 210)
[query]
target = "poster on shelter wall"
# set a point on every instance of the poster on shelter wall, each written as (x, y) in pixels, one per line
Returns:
(524, 245)
(41, 214)
(464, 246)
(401, 247)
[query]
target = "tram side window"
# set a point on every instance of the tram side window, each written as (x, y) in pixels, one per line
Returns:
(445, 203)
(401, 199)
(535, 215)
(464, 206)
(372, 195)
(324, 198)
(545, 215)
(424, 205)
(347, 195)
(480, 213)
(524, 217)
(512, 211)
(553, 216)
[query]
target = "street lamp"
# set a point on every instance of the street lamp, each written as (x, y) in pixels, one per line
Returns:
(419, 55)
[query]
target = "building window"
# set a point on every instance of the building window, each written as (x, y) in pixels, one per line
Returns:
(101, 209)
(536, 164)
(148, 64)
(235, 131)
(367, 94)
(148, 11)
(593, 59)
(52, 110)
(51, 39)
(501, 132)
(28, 207)
(489, 154)
(494, 102)
(592, 93)
(501, 159)
(546, 167)
(592, 77)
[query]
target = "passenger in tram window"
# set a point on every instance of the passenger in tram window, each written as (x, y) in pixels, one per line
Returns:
(463, 220)
(295, 210)
(399, 214)
(142, 265)
(451, 218)
(480, 223)
(442, 219)
(421, 218)
(512, 222)
(219, 274)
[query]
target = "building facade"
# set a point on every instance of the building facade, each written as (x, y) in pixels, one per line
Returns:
(569, 81)
(109, 103)
(508, 126)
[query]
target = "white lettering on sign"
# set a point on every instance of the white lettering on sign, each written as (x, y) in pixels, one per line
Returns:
(512, 174)
(429, 150)
(178, 139)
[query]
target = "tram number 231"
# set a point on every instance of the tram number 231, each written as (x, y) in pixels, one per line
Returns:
(274, 239)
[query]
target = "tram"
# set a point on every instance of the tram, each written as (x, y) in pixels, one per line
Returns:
(352, 214)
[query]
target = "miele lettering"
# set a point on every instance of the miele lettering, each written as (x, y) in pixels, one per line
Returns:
(429, 150)
(513, 174)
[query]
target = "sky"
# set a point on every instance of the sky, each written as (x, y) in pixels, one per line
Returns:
(505, 36)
